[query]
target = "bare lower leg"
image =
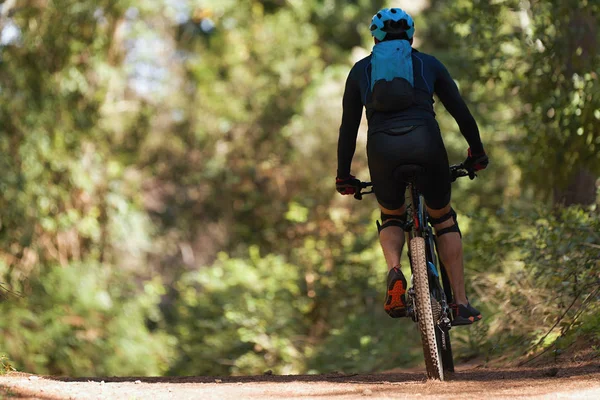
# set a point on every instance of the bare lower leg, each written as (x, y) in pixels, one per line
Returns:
(451, 253)
(392, 239)
(392, 242)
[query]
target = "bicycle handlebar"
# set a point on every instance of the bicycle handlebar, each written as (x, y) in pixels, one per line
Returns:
(459, 170)
(456, 171)
(363, 185)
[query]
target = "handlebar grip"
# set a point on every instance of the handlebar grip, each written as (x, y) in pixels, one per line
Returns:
(359, 193)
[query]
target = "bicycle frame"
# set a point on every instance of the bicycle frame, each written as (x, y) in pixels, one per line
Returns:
(418, 226)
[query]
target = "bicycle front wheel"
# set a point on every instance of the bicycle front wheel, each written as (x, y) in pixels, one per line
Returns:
(433, 361)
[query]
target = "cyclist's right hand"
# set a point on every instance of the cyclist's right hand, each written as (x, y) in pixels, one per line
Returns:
(476, 162)
(347, 185)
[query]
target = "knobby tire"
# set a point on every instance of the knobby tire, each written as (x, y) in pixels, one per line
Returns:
(427, 326)
(443, 335)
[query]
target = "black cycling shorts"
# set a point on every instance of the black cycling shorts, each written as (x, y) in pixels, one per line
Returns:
(423, 146)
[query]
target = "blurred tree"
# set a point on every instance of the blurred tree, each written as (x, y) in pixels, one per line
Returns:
(69, 207)
(539, 53)
(563, 91)
(86, 320)
(56, 196)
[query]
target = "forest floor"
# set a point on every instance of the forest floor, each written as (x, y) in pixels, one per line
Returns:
(567, 381)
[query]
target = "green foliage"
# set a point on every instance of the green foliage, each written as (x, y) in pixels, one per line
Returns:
(241, 316)
(60, 184)
(379, 342)
(540, 283)
(250, 315)
(532, 69)
(5, 365)
(85, 320)
(563, 90)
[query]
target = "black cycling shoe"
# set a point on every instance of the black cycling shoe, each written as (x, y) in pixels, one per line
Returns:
(395, 299)
(464, 315)
(474, 312)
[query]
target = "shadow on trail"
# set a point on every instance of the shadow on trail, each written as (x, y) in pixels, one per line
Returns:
(492, 374)
(7, 392)
(477, 374)
(334, 377)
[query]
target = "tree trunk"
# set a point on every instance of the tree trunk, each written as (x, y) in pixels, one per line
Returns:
(581, 190)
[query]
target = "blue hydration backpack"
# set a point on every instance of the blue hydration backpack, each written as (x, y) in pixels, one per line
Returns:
(392, 81)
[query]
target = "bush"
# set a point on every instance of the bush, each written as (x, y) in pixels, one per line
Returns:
(5, 365)
(538, 276)
(85, 320)
(240, 316)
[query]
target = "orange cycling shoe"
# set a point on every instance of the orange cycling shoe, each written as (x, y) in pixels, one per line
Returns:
(395, 299)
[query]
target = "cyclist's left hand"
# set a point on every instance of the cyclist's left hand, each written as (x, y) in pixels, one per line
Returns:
(346, 185)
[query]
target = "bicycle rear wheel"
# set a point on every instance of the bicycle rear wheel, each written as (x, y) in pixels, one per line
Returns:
(427, 325)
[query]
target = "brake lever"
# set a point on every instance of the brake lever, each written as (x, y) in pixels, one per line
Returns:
(358, 195)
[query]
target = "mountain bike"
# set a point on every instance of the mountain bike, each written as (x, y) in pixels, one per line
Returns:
(429, 294)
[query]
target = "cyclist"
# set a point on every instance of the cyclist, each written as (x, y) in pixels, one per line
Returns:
(395, 84)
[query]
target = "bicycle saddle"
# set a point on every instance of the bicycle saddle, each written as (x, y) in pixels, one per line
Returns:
(408, 173)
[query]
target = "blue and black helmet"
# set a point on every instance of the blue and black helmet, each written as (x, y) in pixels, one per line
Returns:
(393, 21)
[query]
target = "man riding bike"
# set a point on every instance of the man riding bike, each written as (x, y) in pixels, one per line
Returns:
(396, 84)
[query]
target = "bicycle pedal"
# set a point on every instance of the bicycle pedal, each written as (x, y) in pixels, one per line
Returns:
(410, 312)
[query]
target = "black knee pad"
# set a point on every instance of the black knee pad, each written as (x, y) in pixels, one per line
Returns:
(391, 220)
(444, 218)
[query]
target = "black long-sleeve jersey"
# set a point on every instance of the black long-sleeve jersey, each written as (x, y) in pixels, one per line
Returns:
(430, 76)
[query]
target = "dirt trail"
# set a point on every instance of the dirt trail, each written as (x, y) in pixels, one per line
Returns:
(574, 381)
